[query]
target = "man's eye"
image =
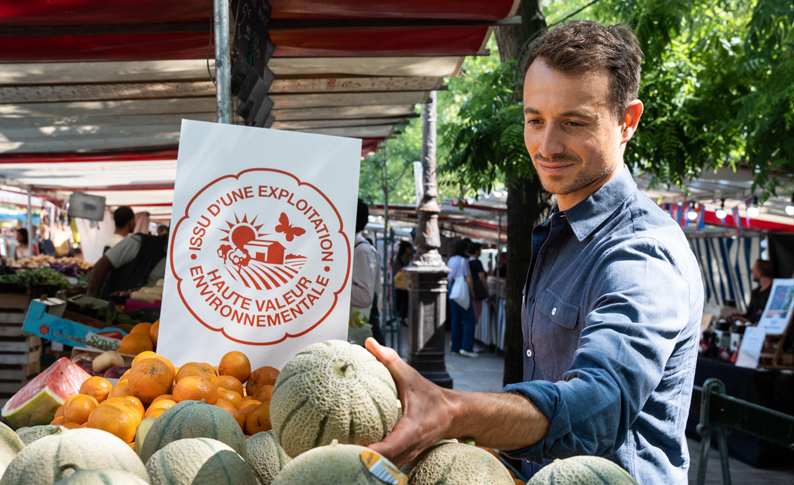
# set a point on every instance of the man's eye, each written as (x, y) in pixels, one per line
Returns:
(575, 124)
(533, 122)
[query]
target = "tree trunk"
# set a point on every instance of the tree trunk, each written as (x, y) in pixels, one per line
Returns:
(527, 202)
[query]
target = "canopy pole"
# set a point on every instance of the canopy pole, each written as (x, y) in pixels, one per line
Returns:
(30, 218)
(223, 67)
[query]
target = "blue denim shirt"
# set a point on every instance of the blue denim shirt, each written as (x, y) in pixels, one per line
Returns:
(611, 318)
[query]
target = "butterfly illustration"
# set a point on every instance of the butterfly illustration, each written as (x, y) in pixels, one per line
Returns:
(289, 231)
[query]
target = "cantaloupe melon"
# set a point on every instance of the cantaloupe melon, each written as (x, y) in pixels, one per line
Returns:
(81, 476)
(140, 434)
(10, 446)
(194, 419)
(337, 464)
(199, 461)
(29, 435)
(586, 470)
(84, 447)
(332, 391)
(456, 463)
(266, 456)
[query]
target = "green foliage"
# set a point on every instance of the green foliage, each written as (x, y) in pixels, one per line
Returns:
(36, 277)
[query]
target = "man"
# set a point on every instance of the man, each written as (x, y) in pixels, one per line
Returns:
(763, 274)
(46, 246)
(124, 218)
(134, 262)
(613, 299)
(366, 281)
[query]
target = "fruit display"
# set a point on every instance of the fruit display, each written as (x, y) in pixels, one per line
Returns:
(332, 391)
(67, 266)
(37, 402)
(205, 424)
(450, 462)
(199, 460)
(582, 469)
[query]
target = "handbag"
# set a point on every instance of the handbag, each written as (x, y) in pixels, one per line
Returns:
(460, 292)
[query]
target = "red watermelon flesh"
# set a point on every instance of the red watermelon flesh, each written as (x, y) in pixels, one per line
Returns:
(37, 402)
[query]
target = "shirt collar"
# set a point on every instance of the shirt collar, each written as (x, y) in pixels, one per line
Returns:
(586, 216)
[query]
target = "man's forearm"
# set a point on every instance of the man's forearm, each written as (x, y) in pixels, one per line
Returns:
(503, 421)
(97, 277)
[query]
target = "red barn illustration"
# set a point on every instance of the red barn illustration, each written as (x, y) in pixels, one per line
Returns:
(271, 252)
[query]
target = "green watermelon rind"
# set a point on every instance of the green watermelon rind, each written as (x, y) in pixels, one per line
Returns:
(38, 410)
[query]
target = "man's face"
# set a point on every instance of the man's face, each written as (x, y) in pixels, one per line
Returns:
(756, 274)
(570, 131)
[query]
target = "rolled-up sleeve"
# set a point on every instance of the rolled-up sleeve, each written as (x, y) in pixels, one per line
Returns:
(641, 305)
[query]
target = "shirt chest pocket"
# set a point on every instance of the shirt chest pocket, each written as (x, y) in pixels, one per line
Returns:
(558, 310)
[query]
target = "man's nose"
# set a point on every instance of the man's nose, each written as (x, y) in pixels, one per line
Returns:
(551, 142)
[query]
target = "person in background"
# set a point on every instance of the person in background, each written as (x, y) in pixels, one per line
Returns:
(763, 274)
(479, 280)
(405, 251)
(134, 262)
(162, 230)
(366, 279)
(46, 246)
(124, 218)
(501, 265)
(23, 247)
(462, 341)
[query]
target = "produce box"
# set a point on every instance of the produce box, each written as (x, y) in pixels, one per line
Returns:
(19, 351)
(45, 318)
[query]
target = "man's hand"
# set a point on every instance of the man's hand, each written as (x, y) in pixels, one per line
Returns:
(428, 410)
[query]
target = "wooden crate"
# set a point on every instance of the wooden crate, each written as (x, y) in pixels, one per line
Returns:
(20, 352)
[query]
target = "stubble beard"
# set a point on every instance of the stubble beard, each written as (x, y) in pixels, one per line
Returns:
(557, 185)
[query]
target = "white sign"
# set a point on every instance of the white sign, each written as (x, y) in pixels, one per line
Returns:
(750, 349)
(779, 307)
(418, 188)
(261, 243)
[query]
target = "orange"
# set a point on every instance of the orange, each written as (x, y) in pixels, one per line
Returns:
(115, 420)
(120, 389)
(154, 332)
(195, 388)
(229, 382)
(263, 376)
(248, 406)
(159, 405)
(235, 364)
(60, 411)
(136, 403)
(57, 421)
(96, 387)
(210, 369)
(151, 355)
(236, 414)
(142, 328)
(127, 406)
(84, 425)
(126, 375)
(135, 343)
(72, 425)
(259, 419)
(231, 397)
(150, 378)
(156, 413)
(78, 408)
(264, 393)
(132, 445)
(194, 369)
(166, 397)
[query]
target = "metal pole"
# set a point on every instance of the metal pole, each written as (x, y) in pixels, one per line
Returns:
(30, 218)
(223, 66)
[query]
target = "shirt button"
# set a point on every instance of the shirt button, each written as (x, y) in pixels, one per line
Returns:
(529, 353)
(553, 311)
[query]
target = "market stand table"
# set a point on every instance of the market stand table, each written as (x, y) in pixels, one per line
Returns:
(773, 389)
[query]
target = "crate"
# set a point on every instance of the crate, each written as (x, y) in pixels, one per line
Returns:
(20, 352)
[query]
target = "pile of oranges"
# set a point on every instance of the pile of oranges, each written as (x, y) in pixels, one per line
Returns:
(153, 384)
(142, 338)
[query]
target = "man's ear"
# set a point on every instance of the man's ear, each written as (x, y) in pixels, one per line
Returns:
(631, 119)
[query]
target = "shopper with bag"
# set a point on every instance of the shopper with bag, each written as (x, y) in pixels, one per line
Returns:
(479, 280)
(461, 292)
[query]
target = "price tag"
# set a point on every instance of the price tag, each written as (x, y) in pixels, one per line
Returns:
(382, 469)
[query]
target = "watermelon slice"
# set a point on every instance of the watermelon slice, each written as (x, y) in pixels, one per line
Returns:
(37, 402)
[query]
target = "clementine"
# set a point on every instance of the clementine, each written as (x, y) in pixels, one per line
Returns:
(194, 369)
(151, 355)
(195, 388)
(235, 364)
(120, 389)
(163, 397)
(57, 421)
(78, 408)
(96, 387)
(264, 393)
(231, 397)
(142, 328)
(115, 420)
(150, 378)
(236, 414)
(248, 406)
(259, 419)
(263, 376)
(135, 343)
(154, 332)
(161, 405)
(229, 382)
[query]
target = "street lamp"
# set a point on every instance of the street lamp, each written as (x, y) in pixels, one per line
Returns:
(692, 215)
(790, 207)
(753, 211)
(721, 212)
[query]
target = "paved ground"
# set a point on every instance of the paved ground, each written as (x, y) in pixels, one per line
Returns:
(485, 374)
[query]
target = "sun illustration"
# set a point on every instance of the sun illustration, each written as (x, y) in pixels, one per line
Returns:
(241, 232)
(254, 260)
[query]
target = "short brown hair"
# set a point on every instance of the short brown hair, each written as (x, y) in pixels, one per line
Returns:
(585, 46)
(765, 268)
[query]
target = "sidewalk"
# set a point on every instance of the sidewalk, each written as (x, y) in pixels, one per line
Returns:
(485, 374)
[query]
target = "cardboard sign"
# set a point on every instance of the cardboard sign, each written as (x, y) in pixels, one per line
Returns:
(751, 346)
(260, 249)
(45, 319)
(779, 307)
